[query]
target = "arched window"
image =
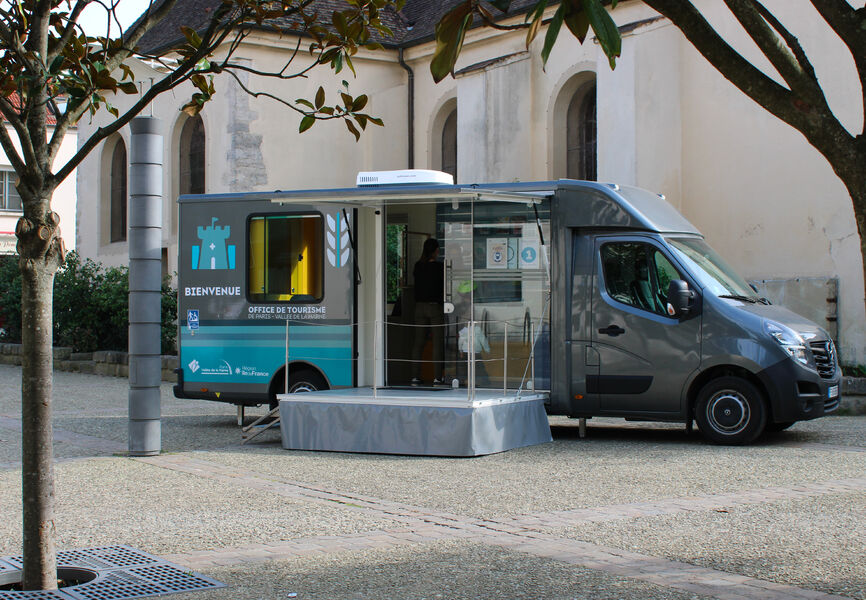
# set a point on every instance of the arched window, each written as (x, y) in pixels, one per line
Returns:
(191, 156)
(449, 145)
(581, 135)
(118, 193)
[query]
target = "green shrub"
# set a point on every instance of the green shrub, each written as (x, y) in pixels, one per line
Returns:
(10, 299)
(91, 306)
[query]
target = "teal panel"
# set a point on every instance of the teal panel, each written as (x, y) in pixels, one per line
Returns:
(241, 354)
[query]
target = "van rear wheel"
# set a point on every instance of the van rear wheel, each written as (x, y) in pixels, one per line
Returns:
(731, 410)
(305, 380)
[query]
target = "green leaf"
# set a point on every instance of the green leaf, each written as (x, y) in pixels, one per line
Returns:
(577, 22)
(307, 122)
(191, 36)
(359, 103)
(450, 32)
(552, 33)
(353, 129)
(536, 19)
(606, 31)
(502, 5)
(128, 87)
(306, 103)
(320, 97)
(56, 63)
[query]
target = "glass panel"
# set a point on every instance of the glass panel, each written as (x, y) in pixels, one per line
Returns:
(285, 258)
(630, 277)
(395, 255)
(13, 199)
(665, 273)
(118, 193)
(712, 272)
(496, 276)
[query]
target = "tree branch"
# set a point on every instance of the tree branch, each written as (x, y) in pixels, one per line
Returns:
(820, 127)
(169, 82)
(59, 44)
(790, 62)
(11, 151)
(12, 116)
(750, 80)
(850, 25)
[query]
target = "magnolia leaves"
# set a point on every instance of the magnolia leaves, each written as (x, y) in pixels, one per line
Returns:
(577, 15)
(349, 110)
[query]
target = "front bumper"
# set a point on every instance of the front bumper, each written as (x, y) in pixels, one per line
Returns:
(798, 394)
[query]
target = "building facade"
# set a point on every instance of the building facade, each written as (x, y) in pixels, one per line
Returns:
(663, 120)
(63, 202)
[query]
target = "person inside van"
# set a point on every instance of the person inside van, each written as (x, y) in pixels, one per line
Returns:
(429, 292)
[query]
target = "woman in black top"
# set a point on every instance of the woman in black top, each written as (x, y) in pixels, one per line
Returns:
(429, 292)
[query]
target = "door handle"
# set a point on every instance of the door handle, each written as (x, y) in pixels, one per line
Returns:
(612, 330)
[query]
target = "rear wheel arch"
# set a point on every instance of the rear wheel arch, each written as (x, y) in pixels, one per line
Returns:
(297, 370)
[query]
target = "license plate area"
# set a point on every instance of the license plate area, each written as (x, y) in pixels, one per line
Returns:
(832, 391)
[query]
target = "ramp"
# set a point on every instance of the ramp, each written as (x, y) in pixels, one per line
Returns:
(414, 421)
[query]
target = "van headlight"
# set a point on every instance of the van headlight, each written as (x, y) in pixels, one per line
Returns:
(789, 340)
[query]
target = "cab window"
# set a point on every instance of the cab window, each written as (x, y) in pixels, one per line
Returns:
(637, 274)
(286, 258)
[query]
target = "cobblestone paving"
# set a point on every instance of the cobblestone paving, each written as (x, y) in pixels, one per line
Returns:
(632, 512)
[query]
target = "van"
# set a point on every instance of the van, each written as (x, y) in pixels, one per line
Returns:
(601, 296)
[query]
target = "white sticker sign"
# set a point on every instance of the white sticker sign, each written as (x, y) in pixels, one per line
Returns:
(529, 254)
(497, 253)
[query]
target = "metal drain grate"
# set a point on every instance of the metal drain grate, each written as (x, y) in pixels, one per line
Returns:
(107, 557)
(122, 573)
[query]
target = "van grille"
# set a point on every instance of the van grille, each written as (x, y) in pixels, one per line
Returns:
(825, 358)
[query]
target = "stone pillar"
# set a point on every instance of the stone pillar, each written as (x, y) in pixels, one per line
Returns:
(145, 279)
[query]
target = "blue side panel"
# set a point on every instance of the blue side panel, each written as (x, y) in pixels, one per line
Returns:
(252, 354)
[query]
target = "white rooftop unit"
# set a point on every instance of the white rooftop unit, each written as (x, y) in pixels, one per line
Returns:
(403, 177)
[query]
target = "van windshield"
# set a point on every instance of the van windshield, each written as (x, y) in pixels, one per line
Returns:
(713, 273)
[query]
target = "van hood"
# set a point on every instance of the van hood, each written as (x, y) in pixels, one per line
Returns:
(806, 328)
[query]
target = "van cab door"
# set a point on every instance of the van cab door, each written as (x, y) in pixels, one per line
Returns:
(645, 355)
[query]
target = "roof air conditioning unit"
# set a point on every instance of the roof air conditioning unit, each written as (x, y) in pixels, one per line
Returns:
(404, 177)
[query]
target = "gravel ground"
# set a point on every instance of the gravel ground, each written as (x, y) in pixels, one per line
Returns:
(621, 466)
(442, 570)
(817, 543)
(814, 543)
(122, 501)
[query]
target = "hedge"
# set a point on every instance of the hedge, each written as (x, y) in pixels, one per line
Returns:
(91, 306)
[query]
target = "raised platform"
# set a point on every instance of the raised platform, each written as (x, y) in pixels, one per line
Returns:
(414, 421)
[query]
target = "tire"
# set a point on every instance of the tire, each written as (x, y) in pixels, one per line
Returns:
(776, 427)
(731, 411)
(304, 380)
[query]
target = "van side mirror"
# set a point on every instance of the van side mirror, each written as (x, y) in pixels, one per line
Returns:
(679, 298)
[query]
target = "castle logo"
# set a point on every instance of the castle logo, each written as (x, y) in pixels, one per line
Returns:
(213, 253)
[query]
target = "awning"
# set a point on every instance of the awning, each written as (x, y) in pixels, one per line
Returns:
(384, 196)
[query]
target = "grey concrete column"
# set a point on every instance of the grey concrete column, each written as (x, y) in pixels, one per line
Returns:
(145, 279)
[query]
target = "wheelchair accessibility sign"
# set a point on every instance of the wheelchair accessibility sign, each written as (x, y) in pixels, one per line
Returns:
(192, 319)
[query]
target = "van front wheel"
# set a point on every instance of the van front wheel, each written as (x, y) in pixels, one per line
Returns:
(730, 410)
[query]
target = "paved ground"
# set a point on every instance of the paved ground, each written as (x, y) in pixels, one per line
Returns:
(633, 511)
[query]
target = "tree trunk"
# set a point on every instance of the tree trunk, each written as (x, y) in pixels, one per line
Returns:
(856, 184)
(40, 254)
(37, 287)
